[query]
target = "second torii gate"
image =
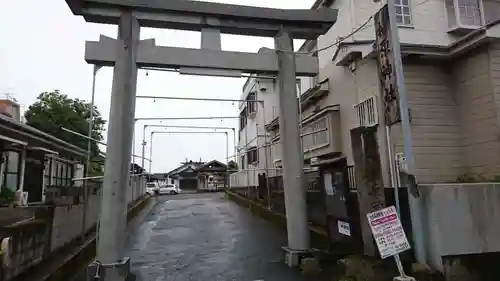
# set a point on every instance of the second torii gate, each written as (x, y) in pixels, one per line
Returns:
(128, 53)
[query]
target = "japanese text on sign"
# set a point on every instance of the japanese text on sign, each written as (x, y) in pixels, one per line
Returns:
(388, 232)
(386, 67)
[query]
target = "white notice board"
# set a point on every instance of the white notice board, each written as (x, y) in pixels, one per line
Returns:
(344, 228)
(328, 181)
(388, 232)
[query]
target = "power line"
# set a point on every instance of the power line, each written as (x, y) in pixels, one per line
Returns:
(343, 38)
(187, 118)
(190, 127)
(197, 99)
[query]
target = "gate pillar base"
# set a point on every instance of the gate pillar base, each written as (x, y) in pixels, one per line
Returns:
(119, 271)
(294, 258)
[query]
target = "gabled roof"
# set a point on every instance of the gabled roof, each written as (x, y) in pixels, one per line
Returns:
(184, 167)
(208, 164)
(33, 136)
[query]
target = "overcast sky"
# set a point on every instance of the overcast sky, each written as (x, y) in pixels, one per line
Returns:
(42, 49)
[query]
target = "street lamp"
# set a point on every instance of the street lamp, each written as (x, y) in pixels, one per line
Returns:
(177, 132)
(89, 146)
(91, 121)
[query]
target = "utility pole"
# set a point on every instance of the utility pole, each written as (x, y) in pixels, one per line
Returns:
(89, 148)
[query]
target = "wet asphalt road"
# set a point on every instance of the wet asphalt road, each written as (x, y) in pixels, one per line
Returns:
(203, 237)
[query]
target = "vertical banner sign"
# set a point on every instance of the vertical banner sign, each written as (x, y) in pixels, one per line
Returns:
(386, 67)
(388, 232)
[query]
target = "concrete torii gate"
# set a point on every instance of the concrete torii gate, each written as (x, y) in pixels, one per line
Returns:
(128, 53)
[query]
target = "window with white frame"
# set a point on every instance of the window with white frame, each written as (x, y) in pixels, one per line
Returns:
(403, 12)
(62, 173)
(11, 170)
(243, 119)
(243, 164)
(320, 135)
(469, 12)
(276, 150)
(251, 104)
(252, 156)
(463, 13)
(47, 170)
(315, 134)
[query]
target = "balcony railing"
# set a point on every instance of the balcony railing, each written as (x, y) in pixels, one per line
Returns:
(468, 15)
(276, 151)
(244, 178)
(314, 137)
(367, 113)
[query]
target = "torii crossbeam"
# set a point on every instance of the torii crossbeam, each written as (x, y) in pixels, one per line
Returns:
(195, 15)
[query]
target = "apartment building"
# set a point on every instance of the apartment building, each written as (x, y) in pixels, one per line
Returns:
(451, 65)
(320, 124)
(260, 94)
(259, 148)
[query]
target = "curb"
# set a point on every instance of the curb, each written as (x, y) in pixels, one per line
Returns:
(319, 237)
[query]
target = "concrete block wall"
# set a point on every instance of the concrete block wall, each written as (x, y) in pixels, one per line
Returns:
(67, 220)
(58, 226)
(94, 209)
(460, 219)
(136, 189)
(66, 225)
(245, 178)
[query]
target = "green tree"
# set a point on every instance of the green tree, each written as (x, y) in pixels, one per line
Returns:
(54, 110)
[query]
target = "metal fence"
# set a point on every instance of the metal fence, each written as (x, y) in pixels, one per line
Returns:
(269, 191)
(274, 196)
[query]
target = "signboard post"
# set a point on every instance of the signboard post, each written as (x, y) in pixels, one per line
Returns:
(395, 105)
(390, 237)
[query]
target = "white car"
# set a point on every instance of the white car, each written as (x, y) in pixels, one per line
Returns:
(169, 189)
(152, 188)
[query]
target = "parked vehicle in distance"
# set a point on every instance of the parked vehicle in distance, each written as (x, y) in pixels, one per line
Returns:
(152, 188)
(171, 189)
